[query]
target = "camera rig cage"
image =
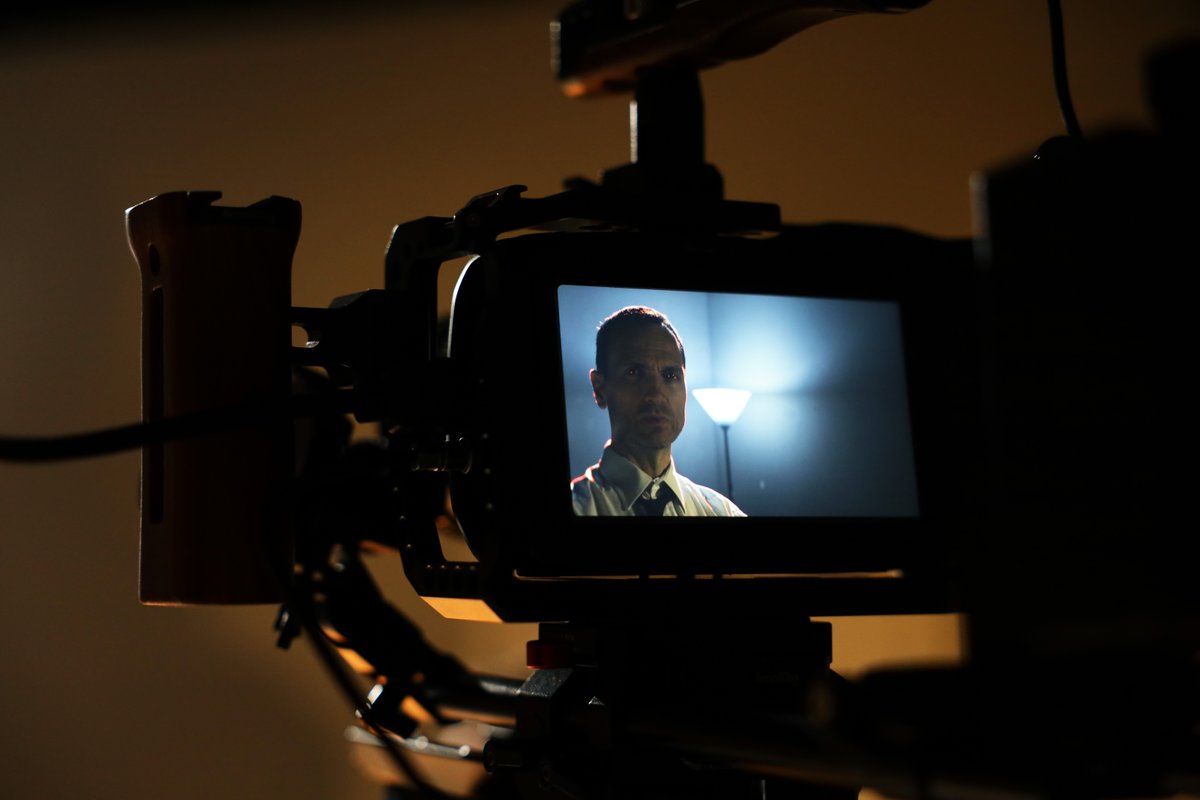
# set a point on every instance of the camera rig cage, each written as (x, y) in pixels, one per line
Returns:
(516, 427)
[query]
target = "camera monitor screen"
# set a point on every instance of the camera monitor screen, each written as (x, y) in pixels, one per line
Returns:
(849, 451)
(817, 424)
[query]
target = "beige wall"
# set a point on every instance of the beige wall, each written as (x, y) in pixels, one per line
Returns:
(371, 118)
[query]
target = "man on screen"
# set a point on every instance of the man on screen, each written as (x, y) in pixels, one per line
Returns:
(639, 379)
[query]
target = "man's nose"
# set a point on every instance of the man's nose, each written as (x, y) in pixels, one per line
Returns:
(654, 386)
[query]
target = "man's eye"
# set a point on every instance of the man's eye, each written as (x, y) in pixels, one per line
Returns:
(670, 375)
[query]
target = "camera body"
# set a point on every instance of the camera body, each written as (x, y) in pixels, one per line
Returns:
(880, 418)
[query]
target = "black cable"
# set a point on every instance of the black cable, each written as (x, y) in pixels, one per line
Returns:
(128, 437)
(1058, 54)
(336, 668)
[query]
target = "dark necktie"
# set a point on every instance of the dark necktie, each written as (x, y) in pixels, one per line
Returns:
(652, 507)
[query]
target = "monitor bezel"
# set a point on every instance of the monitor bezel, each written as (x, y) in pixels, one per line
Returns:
(516, 507)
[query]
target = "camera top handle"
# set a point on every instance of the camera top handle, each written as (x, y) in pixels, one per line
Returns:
(654, 49)
(604, 46)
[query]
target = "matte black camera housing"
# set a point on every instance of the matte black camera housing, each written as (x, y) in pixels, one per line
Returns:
(514, 504)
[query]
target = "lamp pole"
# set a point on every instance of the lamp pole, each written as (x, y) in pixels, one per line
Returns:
(723, 407)
(728, 464)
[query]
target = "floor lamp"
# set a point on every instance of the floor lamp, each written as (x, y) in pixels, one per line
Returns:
(724, 406)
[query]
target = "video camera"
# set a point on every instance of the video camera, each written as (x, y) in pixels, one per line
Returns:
(975, 425)
(841, 331)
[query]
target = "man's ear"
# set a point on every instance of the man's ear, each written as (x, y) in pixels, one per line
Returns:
(598, 388)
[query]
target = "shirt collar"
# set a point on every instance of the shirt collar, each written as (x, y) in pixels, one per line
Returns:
(628, 480)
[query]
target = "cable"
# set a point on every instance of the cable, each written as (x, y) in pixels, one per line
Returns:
(336, 668)
(251, 414)
(1058, 54)
(245, 415)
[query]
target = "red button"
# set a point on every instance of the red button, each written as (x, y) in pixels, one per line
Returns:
(547, 655)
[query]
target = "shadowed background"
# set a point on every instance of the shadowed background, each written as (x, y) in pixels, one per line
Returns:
(369, 116)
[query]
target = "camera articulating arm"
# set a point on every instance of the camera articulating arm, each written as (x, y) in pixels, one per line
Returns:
(347, 500)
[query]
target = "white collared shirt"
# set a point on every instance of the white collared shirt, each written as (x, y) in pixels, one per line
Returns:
(610, 488)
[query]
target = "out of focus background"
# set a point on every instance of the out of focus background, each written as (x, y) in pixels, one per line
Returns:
(371, 114)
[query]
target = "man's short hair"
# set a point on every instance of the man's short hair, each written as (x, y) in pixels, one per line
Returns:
(629, 318)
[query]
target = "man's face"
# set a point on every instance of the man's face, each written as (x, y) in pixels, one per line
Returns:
(643, 388)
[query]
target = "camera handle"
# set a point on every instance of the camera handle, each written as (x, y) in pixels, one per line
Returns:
(666, 139)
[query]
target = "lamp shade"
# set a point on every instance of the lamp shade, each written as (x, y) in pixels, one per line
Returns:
(723, 405)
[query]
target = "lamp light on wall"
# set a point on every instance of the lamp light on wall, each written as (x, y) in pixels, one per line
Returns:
(724, 406)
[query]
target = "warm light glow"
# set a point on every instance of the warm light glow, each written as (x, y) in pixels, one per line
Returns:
(356, 661)
(723, 405)
(411, 707)
(463, 608)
